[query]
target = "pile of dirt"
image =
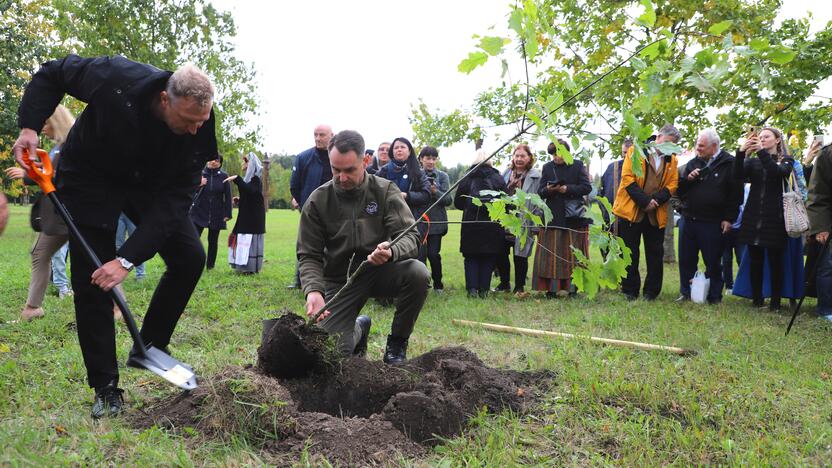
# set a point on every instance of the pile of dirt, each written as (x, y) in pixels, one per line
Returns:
(352, 411)
(293, 348)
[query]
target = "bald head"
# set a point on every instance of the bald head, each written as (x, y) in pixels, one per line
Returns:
(323, 133)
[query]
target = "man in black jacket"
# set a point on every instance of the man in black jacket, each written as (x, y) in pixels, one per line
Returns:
(138, 147)
(710, 202)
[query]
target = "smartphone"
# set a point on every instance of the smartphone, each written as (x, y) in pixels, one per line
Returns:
(752, 130)
(818, 140)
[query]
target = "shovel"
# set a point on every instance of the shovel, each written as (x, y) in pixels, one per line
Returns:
(153, 359)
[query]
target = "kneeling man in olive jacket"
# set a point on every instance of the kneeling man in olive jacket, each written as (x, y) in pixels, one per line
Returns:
(348, 219)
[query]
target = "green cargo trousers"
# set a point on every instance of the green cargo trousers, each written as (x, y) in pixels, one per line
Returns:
(407, 281)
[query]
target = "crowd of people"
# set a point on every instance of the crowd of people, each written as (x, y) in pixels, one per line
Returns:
(168, 187)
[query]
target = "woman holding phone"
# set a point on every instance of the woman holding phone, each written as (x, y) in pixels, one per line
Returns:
(763, 227)
(563, 186)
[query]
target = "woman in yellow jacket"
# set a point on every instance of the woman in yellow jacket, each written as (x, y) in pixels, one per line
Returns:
(640, 206)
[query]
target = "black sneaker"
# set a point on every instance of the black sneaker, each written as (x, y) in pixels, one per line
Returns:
(364, 322)
(108, 401)
(396, 350)
(293, 286)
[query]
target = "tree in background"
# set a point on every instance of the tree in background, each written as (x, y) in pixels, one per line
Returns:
(162, 33)
(721, 63)
(24, 33)
(166, 34)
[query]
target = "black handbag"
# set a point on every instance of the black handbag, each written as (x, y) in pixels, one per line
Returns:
(34, 215)
(574, 208)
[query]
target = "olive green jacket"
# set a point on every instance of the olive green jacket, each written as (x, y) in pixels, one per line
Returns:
(336, 224)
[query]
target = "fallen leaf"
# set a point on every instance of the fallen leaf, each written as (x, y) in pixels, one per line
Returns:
(520, 391)
(4, 348)
(60, 430)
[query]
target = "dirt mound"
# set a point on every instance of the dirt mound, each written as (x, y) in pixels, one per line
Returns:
(353, 412)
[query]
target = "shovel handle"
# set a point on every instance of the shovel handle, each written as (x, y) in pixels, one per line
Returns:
(41, 175)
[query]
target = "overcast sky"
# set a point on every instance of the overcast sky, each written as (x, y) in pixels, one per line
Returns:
(361, 64)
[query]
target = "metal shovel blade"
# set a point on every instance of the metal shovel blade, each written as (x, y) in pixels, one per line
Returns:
(165, 366)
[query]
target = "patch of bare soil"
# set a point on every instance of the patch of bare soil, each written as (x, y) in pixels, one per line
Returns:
(351, 411)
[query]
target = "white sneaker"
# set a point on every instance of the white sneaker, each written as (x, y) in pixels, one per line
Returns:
(65, 293)
(729, 292)
(827, 317)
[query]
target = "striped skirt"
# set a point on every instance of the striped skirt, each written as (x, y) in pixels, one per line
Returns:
(554, 259)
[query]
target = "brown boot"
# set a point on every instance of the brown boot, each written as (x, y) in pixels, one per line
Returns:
(30, 313)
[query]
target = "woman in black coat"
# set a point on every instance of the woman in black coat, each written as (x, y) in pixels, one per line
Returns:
(212, 206)
(563, 186)
(763, 227)
(480, 242)
(404, 171)
(246, 241)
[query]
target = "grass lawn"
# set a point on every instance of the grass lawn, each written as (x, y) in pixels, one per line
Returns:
(749, 397)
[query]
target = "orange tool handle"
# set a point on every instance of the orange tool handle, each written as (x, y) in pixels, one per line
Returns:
(41, 175)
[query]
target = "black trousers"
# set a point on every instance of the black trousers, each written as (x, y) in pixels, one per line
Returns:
(430, 252)
(775, 266)
(213, 238)
(503, 267)
(705, 237)
(478, 270)
(184, 257)
(632, 234)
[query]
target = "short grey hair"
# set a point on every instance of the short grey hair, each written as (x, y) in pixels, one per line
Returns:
(346, 141)
(710, 135)
(671, 132)
(190, 81)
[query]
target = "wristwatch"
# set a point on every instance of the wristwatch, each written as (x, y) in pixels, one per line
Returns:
(125, 263)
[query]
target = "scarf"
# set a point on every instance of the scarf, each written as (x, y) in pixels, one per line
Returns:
(397, 173)
(515, 181)
(255, 168)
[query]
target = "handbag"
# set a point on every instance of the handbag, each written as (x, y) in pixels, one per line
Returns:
(699, 287)
(794, 210)
(34, 215)
(574, 208)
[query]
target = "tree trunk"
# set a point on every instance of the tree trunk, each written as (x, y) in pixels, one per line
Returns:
(266, 164)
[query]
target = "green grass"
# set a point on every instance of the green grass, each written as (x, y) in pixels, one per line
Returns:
(749, 397)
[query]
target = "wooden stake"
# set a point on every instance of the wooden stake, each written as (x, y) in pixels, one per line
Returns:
(609, 341)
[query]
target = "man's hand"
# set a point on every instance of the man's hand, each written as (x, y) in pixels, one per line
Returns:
(381, 255)
(314, 302)
(4, 212)
(561, 188)
(822, 237)
(652, 205)
(295, 205)
(15, 172)
(28, 140)
(694, 174)
(229, 178)
(109, 275)
(202, 181)
(726, 226)
(225, 219)
(404, 195)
